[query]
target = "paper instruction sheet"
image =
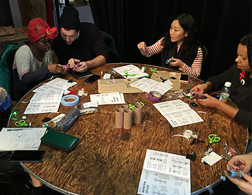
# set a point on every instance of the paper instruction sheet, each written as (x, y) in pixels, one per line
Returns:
(21, 138)
(131, 70)
(178, 113)
(108, 98)
(148, 85)
(165, 173)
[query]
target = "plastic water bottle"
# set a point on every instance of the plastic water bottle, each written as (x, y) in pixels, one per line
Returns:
(225, 92)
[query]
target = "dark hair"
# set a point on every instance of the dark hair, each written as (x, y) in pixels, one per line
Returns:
(247, 41)
(187, 22)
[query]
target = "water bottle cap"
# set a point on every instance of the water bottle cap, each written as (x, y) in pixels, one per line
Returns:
(228, 84)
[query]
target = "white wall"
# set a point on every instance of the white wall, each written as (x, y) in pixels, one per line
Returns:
(16, 16)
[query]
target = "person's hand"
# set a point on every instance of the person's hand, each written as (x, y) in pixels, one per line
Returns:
(83, 67)
(56, 68)
(142, 48)
(3, 94)
(176, 63)
(240, 162)
(72, 62)
(209, 101)
(198, 89)
(244, 185)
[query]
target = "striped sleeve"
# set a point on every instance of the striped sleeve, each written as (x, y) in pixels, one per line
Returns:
(195, 69)
(155, 48)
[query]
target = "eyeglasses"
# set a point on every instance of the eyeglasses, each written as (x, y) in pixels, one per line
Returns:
(46, 42)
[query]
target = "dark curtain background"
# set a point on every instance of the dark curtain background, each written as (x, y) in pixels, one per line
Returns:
(221, 24)
(5, 14)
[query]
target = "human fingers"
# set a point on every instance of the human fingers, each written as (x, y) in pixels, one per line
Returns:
(82, 68)
(197, 89)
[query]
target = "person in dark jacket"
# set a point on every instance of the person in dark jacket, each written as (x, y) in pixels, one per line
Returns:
(240, 76)
(78, 42)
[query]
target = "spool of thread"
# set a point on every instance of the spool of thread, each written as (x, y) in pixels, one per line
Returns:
(138, 114)
(127, 118)
(235, 174)
(119, 117)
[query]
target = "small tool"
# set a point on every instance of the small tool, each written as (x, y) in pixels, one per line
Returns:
(153, 70)
(195, 140)
(129, 75)
(163, 80)
(72, 92)
(213, 139)
(131, 107)
(21, 123)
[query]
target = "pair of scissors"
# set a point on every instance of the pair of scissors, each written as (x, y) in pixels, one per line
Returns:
(213, 138)
(153, 69)
(21, 123)
(133, 107)
(127, 74)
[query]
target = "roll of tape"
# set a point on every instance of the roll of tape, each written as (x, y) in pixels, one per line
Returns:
(187, 134)
(69, 97)
(154, 96)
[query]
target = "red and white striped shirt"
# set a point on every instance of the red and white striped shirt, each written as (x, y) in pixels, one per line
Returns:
(194, 70)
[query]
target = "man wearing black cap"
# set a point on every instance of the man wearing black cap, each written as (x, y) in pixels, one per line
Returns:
(79, 42)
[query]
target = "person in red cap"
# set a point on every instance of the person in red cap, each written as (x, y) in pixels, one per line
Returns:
(33, 62)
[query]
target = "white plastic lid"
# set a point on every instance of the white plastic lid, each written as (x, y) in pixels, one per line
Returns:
(228, 84)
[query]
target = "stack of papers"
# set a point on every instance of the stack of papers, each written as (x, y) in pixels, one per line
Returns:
(48, 96)
(131, 70)
(165, 173)
(178, 113)
(148, 85)
(21, 138)
(108, 98)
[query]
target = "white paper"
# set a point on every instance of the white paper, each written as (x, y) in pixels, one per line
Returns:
(52, 96)
(165, 173)
(211, 158)
(178, 113)
(47, 97)
(148, 85)
(42, 107)
(108, 98)
(130, 69)
(21, 138)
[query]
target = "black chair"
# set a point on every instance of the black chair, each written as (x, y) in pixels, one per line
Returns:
(7, 172)
(110, 43)
(205, 54)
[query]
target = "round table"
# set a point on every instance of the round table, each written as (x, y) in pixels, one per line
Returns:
(108, 160)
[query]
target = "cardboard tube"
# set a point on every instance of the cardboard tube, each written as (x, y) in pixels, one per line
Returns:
(127, 119)
(125, 106)
(138, 114)
(119, 117)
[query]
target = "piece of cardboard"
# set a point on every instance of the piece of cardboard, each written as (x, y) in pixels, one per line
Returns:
(116, 85)
(172, 76)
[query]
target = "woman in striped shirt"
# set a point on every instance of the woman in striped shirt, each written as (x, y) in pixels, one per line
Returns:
(180, 48)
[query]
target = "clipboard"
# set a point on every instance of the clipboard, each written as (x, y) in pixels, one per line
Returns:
(80, 75)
